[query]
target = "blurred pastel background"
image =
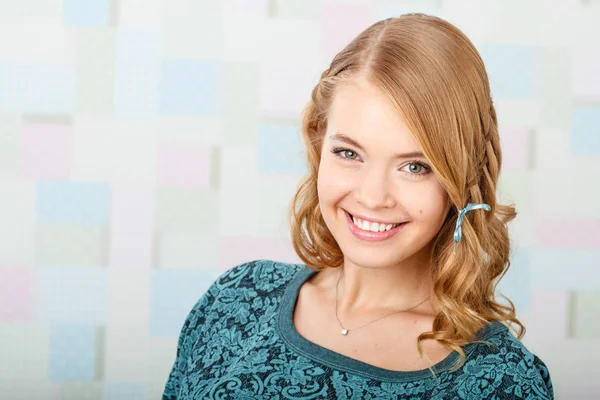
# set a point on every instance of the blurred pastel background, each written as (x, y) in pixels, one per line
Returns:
(146, 146)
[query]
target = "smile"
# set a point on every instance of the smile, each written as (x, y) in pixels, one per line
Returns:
(372, 230)
(373, 226)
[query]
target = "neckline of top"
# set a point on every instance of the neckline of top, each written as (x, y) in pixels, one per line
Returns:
(293, 339)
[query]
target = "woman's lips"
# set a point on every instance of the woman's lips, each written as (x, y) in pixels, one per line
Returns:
(369, 235)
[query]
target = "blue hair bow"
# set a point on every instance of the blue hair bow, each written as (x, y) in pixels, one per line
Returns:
(461, 214)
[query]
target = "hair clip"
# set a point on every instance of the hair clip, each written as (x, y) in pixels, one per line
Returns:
(461, 214)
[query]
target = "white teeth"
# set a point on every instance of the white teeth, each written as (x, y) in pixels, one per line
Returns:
(372, 226)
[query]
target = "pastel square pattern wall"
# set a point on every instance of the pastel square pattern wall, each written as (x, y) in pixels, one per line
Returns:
(87, 12)
(148, 146)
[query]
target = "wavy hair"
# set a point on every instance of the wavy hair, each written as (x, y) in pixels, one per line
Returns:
(434, 76)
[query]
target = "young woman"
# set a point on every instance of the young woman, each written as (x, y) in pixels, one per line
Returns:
(402, 238)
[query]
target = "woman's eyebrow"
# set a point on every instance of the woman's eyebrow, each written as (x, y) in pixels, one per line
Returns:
(348, 140)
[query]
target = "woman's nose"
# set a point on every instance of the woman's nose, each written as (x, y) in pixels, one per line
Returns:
(374, 191)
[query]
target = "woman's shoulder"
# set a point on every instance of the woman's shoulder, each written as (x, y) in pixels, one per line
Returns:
(504, 361)
(260, 275)
(245, 284)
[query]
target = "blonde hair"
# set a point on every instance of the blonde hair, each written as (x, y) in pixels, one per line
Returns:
(437, 80)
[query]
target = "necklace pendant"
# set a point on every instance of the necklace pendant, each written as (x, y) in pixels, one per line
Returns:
(344, 332)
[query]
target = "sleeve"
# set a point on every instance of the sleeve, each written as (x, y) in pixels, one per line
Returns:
(188, 336)
(192, 326)
(543, 385)
(530, 380)
(507, 371)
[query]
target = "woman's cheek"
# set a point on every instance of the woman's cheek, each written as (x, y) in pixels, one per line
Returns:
(424, 203)
(334, 177)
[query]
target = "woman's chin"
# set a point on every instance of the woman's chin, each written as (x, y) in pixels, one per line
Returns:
(372, 258)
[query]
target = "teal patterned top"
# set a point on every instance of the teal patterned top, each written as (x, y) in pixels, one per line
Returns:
(239, 342)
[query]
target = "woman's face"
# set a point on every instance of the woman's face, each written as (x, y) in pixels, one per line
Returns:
(372, 167)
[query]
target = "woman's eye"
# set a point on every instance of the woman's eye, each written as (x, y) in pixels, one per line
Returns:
(416, 168)
(349, 154)
(345, 154)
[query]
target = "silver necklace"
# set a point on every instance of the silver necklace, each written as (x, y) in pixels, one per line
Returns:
(345, 331)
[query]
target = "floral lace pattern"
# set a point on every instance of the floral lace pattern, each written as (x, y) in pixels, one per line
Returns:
(238, 342)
